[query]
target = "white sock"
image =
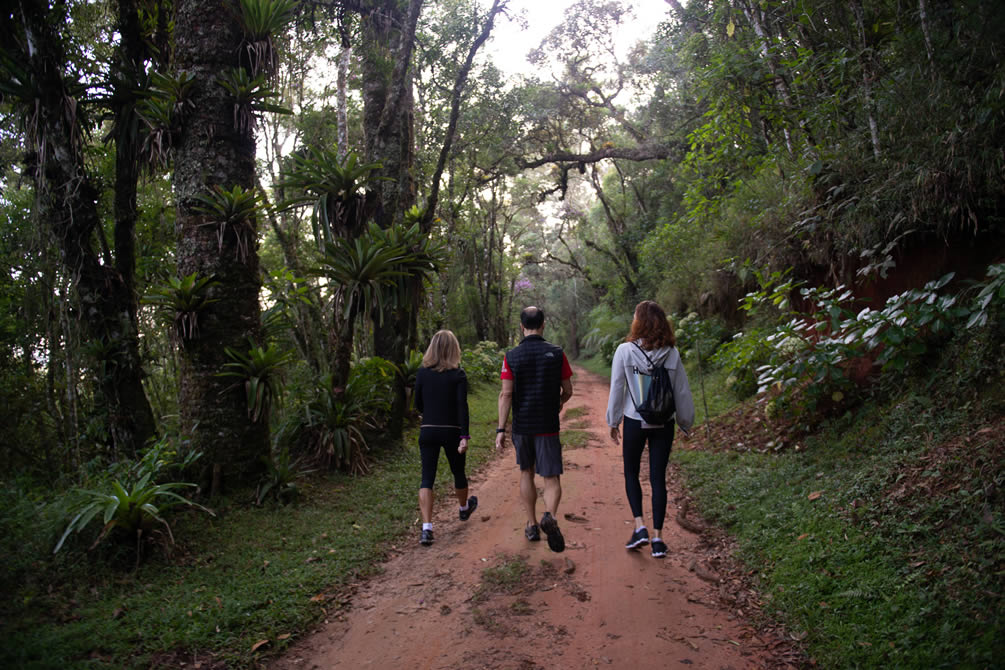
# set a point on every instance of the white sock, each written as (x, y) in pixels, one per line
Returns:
(466, 505)
(427, 526)
(640, 529)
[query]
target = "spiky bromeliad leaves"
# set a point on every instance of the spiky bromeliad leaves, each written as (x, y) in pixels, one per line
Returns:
(181, 300)
(261, 19)
(250, 97)
(235, 209)
(135, 501)
(339, 191)
(163, 108)
(261, 372)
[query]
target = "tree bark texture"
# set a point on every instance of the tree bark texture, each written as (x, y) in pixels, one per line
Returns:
(212, 152)
(68, 207)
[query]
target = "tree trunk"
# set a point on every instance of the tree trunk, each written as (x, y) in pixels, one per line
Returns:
(68, 206)
(212, 152)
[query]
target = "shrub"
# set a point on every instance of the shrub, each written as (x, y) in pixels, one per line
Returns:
(483, 362)
(133, 504)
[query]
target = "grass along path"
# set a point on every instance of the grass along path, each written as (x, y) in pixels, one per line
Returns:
(236, 587)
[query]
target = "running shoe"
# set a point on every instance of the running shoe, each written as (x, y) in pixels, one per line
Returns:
(532, 532)
(640, 538)
(550, 527)
(426, 538)
(472, 505)
(659, 548)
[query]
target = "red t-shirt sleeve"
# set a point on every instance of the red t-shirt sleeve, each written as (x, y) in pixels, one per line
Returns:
(506, 372)
(566, 368)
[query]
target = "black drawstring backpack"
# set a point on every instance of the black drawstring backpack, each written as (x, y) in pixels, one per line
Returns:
(657, 407)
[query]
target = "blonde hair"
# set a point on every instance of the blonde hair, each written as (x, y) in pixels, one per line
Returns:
(443, 353)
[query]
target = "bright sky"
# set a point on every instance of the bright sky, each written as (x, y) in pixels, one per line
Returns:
(510, 43)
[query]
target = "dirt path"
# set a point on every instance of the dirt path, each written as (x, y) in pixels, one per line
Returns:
(593, 605)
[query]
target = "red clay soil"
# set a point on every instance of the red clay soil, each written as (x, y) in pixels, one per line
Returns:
(482, 596)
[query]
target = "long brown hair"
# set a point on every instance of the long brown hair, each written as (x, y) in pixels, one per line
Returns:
(651, 326)
(443, 352)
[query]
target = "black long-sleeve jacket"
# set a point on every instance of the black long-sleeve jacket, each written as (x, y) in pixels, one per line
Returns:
(442, 398)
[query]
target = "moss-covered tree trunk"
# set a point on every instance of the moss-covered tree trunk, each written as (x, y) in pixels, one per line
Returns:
(213, 152)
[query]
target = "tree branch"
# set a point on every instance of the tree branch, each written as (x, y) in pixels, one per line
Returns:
(455, 112)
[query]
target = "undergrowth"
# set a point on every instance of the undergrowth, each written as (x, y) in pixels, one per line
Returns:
(882, 543)
(249, 575)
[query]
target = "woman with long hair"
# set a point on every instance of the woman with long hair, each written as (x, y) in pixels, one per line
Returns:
(650, 343)
(441, 396)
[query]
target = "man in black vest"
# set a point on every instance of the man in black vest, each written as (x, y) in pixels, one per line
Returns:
(536, 383)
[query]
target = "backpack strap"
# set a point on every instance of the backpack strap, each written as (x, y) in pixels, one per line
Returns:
(652, 366)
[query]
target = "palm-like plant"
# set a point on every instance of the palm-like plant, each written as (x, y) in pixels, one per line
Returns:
(135, 501)
(261, 372)
(360, 270)
(250, 97)
(336, 420)
(182, 300)
(337, 190)
(261, 19)
(234, 209)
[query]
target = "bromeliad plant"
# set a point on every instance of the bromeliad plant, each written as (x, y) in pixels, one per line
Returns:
(234, 209)
(133, 504)
(261, 20)
(279, 479)
(338, 190)
(250, 97)
(181, 300)
(260, 370)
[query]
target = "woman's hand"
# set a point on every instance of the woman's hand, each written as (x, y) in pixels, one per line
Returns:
(615, 435)
(462, 446)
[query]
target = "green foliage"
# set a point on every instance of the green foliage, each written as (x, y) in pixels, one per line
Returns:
(249, 97)
(260, 370)
(181, 300)
(606, 331)
(261, 20)
(279, 479)
(335, 189)
(809, 354)
(891, 561)
(362, 269)
(163, 108)
(701, 337)
(742, 357)
(482, 362)
(235, 210)
(134, 504)
(333, 432)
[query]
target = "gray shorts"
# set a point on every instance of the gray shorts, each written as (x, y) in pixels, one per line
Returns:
(542, 452)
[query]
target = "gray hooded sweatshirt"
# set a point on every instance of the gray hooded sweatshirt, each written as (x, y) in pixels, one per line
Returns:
(627, 384)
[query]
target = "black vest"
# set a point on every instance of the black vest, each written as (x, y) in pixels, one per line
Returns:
(537, 385)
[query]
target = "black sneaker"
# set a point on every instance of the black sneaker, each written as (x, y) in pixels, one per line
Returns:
(640, 538)
(659, 548)
(472, 506)
(532, 532)
(426, 538)
(550, 527)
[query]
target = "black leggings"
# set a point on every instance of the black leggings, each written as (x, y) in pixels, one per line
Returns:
(430, 441)
(632, 444)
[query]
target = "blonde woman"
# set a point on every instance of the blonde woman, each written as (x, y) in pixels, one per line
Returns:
(441, 396)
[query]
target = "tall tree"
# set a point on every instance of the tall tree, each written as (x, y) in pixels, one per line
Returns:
(215, 163)
(55, 112)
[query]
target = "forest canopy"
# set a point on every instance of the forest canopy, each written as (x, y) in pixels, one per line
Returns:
(222, 222)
